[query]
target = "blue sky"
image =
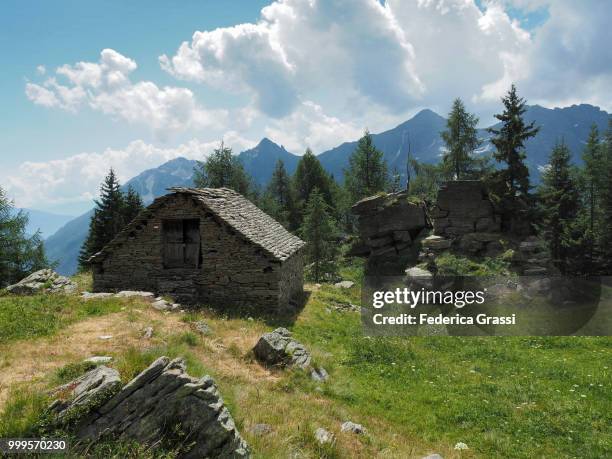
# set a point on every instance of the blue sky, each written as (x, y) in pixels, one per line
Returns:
(135, 86)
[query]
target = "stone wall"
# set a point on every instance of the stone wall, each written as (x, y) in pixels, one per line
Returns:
(387, 224)
(233, 271)
(291, 279)
(463, 207)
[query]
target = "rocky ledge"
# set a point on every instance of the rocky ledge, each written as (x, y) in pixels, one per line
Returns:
(154, 404)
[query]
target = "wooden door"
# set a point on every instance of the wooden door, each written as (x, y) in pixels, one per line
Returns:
(191, 237)
(173, 244)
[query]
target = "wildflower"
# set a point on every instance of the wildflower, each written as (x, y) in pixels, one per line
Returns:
(461, 445)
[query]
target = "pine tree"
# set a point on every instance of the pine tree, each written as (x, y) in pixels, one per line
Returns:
(510, 185)
(108, 218)
(280, 192)
(309, 175)
(367, 171)
(461, 139)
(133, 205)
(319, 231)
(222, 169)
(605, 232)
(559, 200)
(592, 172)
(20, 253)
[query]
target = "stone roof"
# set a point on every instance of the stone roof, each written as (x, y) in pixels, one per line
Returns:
(250, 222)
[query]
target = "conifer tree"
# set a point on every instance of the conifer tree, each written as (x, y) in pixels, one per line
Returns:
(559, 206)
(133, 204)
(280, 193)
(319, 231)
(20, 253)
(605, 233)
(461, 139)
(367, 171)
(510, 185)
(222, 169)
(108, 218)
(592, 175)
(309, 175)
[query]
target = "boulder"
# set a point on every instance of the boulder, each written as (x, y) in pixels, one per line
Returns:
(323, 436)
(93, 388)
(344, 284)
(319, 374)
(278, 348)
(349, 426)
(202, 327)
(433, 456)
(419, 277)
(161, 305)
(43, 281)
(160, 398)
(148, 333)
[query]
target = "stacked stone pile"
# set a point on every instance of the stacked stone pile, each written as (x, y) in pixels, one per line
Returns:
(462, 207)
(388, 224)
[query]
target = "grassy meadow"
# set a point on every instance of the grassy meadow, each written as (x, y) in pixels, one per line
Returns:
(506, 397)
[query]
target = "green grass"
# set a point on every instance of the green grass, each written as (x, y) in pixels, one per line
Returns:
(512, 397)
(503, 396)
(27, 317)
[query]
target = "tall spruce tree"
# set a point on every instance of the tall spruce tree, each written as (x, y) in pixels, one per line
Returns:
(309, 174)
(605, 233)
(367, 171)
(133, 204)
(222, 169)
(280, 192)
(20, 253)
(591, 156)
(510, 185)
(461, 139)
(320, 233)
(108, 218)
(559, 200)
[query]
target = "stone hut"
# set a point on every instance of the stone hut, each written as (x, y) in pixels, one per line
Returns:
(209, 246)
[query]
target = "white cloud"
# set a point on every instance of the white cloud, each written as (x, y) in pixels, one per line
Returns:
(41, 69)
(309, 126)
(105, 86)
(76, 179)
(300, 48)
(571, 60)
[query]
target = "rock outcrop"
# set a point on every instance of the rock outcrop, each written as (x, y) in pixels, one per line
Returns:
(464, 217)
(158, 401)
(388, 223)
(43, 281)
(463, 207)
(278, 348)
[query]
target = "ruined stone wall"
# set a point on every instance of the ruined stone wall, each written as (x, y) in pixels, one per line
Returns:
(233, 271)
(463, 207)
(387, 224)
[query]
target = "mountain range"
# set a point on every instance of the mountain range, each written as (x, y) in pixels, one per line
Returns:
(420, 135)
